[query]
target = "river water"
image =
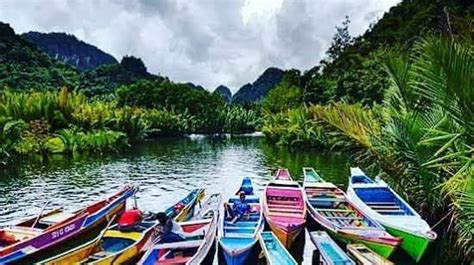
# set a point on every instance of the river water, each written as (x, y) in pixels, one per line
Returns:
(164, 169)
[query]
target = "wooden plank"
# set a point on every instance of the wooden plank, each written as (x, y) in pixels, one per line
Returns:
(334, 210)
(390, 211)
(283, 206)
(385, 207)
(285, 214)
(286, 210)
(327, 200)
(181, 244)
(276, 202)
(344, 218)
(380, 203)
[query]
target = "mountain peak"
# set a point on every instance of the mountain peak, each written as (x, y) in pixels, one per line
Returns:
(134, 65)
(6, 31)
(69, 49)
(256, 91)
(224, 92)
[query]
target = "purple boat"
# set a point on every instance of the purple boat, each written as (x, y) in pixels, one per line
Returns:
(38, 233)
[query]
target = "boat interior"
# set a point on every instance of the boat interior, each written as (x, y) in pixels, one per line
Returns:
(115, 241)
(182, 251)
(286, 201)
(311, 175)
(246, 226)
(364, 255)
(332, 204)
(383, 201)
(283, 174)
(329, 250)
(33, 227)
(278, 253)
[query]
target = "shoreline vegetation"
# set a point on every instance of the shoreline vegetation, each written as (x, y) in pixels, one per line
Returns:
(49, 122)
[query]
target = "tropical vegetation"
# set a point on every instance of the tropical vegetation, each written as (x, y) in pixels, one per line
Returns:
(419, 136)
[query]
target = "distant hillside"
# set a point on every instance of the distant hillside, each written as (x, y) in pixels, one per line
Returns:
(224, 92)
(24, 66)
(106, 79)
(254, 92)
(67, 48)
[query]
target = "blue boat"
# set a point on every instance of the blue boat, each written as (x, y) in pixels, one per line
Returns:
(274, 251)
(236, 241)
(329, 252)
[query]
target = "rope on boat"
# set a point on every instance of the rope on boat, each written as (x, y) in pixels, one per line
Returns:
(440, 220)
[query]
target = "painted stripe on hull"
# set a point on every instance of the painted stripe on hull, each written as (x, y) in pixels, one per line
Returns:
(414, 245)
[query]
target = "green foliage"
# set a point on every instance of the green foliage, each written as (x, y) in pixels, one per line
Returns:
(168, 123)
(284, 95)
(421, 138)
(28, 67)
(202, 106)
(238, 119)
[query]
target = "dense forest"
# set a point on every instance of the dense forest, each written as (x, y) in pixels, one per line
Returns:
(399, 98)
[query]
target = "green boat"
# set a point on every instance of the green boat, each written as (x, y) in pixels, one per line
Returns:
(377, 200)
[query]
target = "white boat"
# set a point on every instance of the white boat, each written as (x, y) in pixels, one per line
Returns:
(377, 200)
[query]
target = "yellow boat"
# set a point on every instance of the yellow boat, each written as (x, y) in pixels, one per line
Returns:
(113, 246)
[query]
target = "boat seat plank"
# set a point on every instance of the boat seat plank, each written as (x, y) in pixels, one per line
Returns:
(286, 210)
(55, 218)
(294, 215)
(385, 207)
(282, 206)
(380, 203)
(239, 228)
(181, 244)
(344, 217)
(241, 223)
(335, 210)
(326, 200)
(175, 260)
(238, 235)
(390, 211)
(278, 202)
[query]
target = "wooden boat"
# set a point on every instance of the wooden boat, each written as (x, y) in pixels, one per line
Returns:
(329, 206)
(365, 256)
(284, 207)
(377, 200)
(200, 234)
(275, 252)
(236, 241)
(35, 235)
(113, 246)
(329, 252)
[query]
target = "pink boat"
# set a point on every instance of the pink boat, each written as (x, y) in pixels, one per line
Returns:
(284, 207)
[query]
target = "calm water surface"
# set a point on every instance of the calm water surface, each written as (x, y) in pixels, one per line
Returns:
(165, 170)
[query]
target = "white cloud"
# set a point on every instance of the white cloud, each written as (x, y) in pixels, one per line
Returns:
(207, 42)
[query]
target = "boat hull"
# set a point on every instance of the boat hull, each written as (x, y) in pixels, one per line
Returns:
(286, 237)
(274, 251)
(236, 241)
(236, 257)
(38, 246)
(383, 249)
(412, 244)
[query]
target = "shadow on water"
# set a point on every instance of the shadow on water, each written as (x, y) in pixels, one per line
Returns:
(165, 169)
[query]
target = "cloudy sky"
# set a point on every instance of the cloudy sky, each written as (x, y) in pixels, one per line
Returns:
(207, 42)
